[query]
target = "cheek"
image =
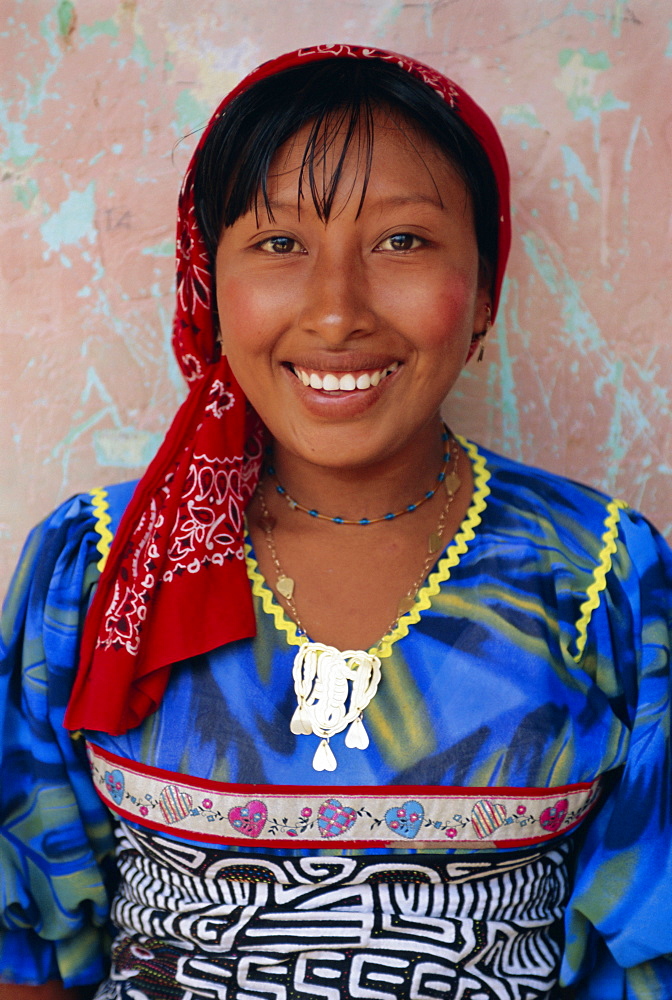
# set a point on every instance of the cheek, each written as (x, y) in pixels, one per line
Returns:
(440, 313)
(244, 317)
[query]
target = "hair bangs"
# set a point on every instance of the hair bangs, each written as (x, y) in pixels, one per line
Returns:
(333, 132)
(336, 100)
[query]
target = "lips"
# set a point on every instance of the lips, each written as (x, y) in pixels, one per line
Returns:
(349, 381)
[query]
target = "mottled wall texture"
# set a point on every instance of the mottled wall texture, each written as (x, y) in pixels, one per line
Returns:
(99, 100)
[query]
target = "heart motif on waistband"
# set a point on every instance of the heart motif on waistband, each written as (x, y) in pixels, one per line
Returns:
(406, 819)
(552, 817)
(334, 818)
(486, 817)
(114, 782)
(249, 819)
(175, 804)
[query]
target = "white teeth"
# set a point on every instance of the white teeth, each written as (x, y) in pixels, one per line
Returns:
(331, 382)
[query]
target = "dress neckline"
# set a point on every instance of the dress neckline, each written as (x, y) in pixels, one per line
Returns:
(452, 555)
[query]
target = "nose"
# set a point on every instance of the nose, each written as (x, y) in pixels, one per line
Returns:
(337, 299)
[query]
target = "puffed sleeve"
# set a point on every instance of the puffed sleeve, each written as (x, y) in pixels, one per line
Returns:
(619, 921)
(55, 835)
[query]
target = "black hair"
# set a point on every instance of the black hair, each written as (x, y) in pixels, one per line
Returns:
(337, 97)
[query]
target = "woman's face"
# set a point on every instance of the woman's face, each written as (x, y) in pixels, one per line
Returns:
(346, 335)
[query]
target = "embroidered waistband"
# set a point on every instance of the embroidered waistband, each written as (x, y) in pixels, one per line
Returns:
(290, 816)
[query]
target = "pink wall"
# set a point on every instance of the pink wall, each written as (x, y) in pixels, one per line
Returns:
(95, 96)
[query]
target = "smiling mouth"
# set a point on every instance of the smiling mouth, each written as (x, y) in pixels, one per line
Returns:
(342, 381)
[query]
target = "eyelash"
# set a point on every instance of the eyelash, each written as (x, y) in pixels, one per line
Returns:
(272, 244)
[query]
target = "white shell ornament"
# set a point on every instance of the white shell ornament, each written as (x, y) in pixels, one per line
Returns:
(300, 724)
(333, 688)
(324, 759)
(357, 737)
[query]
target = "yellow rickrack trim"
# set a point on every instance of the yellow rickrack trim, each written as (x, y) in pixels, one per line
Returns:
(611, 521)
(454, 552)
(101, 507)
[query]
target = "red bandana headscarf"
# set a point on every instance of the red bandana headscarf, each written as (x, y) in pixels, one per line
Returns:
(175, 584)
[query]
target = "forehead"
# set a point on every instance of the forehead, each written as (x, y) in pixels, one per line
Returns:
(384, 154)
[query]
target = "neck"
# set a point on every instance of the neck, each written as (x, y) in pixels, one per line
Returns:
(370, 490)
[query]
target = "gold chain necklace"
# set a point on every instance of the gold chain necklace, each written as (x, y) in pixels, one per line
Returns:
(333, 687)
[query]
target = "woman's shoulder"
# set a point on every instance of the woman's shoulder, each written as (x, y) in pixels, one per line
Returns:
(89, 518)
(535, 484)
(64, 553)
(524, 489)
(548, 508)
(98, 510)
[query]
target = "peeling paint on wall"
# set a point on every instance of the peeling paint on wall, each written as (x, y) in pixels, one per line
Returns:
(73, 221)
(96, 100)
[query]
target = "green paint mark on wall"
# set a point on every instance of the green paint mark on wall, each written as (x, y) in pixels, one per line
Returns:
(141, 54)
(617, 18)
(579, 327)
(634, 131)
(73, 221)
(575, 168)
(511, 434)
(93, 31)
(389, 17)
(16, 147)
(164, 249)
(125, 447)
(66, 17)
(577, 81)
(25, 191)
(615, 445)
(520, 114)
(190, 112)
(591, 60)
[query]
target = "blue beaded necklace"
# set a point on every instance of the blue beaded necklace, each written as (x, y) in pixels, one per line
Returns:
(443, 477)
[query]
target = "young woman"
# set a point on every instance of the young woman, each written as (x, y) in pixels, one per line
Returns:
(370, 711)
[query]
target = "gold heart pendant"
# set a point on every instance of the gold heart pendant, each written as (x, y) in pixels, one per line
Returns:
(285, 586)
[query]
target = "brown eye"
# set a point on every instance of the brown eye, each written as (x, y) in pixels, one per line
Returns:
(400, 241)
(280, 245)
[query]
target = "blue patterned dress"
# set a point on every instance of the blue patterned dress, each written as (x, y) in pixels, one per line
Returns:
(508, 827)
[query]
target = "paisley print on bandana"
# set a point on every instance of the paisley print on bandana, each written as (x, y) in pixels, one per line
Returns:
(441, 84)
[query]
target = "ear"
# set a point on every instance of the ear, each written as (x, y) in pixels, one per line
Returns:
(216, 326)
